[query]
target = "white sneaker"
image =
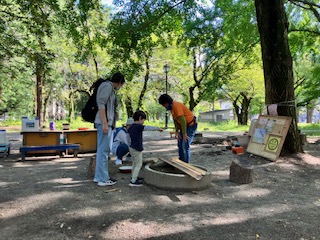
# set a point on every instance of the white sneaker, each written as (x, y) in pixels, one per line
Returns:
(109, 182)
(118, 162)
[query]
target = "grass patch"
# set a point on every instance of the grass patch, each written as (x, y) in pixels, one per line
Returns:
(310, 129)
(309, 126)
(9, 123)
(228, 126)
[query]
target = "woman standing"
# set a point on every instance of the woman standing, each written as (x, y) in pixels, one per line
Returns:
(105, 122)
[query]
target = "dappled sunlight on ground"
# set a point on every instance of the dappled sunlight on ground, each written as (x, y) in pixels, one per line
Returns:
(54, 199)
(26, 205)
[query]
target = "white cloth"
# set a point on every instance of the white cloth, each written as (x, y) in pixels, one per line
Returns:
(272, 109)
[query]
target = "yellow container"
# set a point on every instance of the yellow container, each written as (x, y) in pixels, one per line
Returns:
(41, 138)
(86, 138)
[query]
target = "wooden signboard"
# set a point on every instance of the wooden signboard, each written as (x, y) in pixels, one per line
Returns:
(268, 136)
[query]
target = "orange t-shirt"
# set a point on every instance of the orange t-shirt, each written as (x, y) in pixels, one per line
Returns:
(179, 109)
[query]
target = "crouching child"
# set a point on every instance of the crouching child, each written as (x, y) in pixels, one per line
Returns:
(136, 145)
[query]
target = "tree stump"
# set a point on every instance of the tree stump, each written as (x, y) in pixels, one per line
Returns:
(91, 168)
(303, 138)
(241, 171)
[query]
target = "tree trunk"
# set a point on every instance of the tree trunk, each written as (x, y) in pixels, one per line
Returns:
(309, 113)
(71, 107)
(237, 111)
(39, 77)
(145, 84)
(245, 108)
(45, 106)
(128, 103)
(192, 103)
(243, 111)
(96, 67)
(277, 65)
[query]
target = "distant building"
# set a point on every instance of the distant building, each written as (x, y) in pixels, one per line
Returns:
(217, 115)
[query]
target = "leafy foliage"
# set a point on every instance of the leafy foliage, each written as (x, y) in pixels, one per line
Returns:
(208, 45)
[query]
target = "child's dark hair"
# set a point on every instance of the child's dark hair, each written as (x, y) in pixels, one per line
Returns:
(139, 114)
(165, 98)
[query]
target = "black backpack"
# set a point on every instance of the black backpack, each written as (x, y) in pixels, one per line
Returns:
(90, 110)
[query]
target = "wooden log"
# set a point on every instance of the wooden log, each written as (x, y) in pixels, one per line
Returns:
(241, 171)
(91, 168)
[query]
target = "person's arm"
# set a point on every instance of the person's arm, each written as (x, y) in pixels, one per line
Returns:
(183, 124)
(103, 94)
(152, 128)
(177, 128)
(104, 121)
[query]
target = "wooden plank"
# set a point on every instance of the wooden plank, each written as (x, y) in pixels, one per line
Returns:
(183, 168)
(186, 165)
(189, 166)
(199, 170)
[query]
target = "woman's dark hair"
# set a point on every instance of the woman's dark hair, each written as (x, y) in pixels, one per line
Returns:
(139, 114)
(165, 98)
(117, 78)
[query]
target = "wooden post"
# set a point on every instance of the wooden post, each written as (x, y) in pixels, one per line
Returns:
(241, 171)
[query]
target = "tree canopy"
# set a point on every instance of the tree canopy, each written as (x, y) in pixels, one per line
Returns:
(52, 51)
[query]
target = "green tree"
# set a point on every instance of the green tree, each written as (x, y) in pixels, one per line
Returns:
(304, 38)
(221, 37)
(242, 88)
(307, 84)
(27, 27)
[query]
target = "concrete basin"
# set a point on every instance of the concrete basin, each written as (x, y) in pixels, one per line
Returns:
(174, 179)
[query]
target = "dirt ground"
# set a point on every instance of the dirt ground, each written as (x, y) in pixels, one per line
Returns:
(51, 198)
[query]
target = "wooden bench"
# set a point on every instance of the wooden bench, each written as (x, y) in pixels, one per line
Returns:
(61, 147)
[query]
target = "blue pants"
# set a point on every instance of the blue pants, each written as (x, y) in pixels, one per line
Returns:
(103, 150)
(184, 146)
(122, 150)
